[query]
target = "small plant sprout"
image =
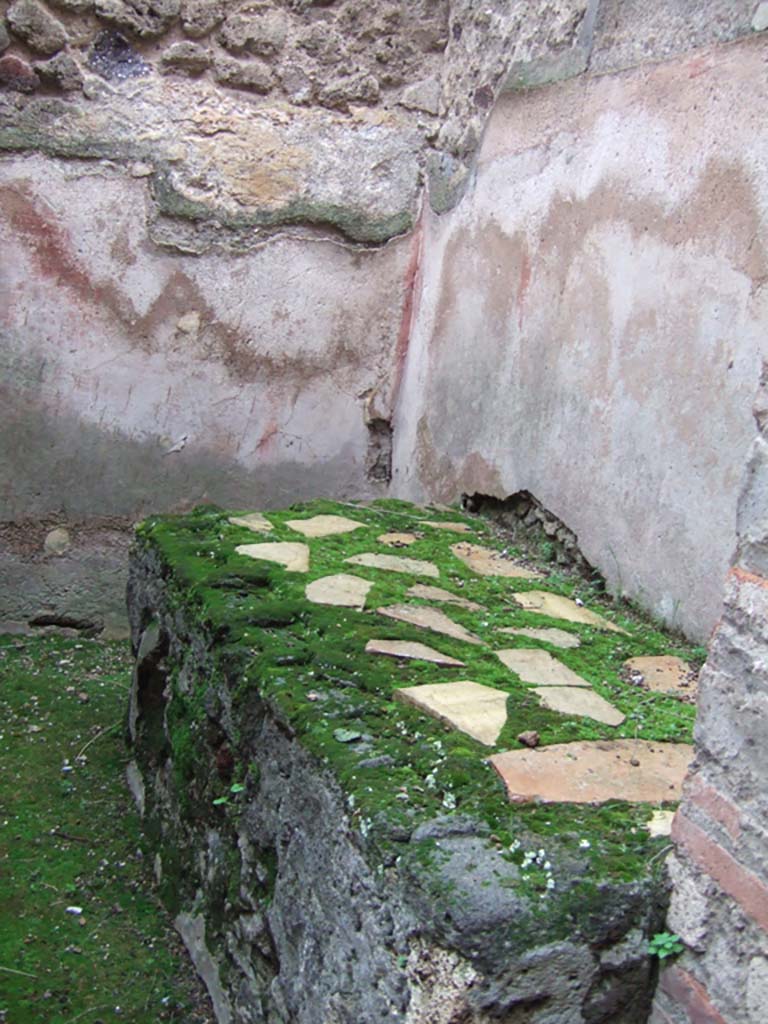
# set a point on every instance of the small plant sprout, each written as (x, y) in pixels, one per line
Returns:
(220, 800)
(665, 944)
(237, 787)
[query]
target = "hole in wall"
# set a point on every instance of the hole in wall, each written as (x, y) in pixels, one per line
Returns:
(531, 526)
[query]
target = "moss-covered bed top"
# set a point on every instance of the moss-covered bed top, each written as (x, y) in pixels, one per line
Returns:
(398, 766)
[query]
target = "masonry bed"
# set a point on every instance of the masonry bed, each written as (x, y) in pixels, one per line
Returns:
(334, 854)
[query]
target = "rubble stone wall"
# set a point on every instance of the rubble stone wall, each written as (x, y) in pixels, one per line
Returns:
(720, 899)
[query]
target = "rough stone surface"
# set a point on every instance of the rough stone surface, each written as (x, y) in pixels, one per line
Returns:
(557, 607)
(324, 526)
(36, 26)
(486, 562)
(255, 521)
(480, 711)
(428, 593)
(429, 618)
(397, 540)
(572, 700)
(556, 637)
(293, 557)
(395, 563)
(410, 650)
(437, 524)
(663, 674)
(63, 71)
(536, 666)
(341, 589)
(57, 541)
(144, 18)
(596, 772)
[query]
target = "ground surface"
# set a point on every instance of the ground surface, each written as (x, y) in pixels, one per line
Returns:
(71, 839)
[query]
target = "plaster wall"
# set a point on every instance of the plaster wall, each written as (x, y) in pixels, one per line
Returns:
(137, 378)
(591, 320)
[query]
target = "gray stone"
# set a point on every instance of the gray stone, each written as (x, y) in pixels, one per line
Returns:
(38, 28)
(424, 95)
(340, 92)
(145, 18)
(262, 33)
(189, 57)
(62, 71)
(5, 40)
(253, 75)
(760, 18)
(75, 6)
(199, 17)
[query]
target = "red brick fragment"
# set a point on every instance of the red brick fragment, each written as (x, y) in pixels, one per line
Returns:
(742, 885)
(690, 995)
(714, 804)
(16, 74)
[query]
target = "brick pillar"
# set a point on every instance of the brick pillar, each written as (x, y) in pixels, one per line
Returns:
(719, 869)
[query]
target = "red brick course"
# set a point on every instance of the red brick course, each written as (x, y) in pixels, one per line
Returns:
(749, 891)
(691, 996)
(714, 804)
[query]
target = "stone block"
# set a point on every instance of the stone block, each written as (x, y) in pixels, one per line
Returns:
(147, 19)
(38, 28)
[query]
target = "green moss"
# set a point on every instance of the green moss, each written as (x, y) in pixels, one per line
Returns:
(309, 663)
(74, 839)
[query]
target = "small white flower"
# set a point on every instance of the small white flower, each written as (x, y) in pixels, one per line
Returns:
(584, 844)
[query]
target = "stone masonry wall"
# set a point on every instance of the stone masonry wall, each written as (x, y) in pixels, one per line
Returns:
(719, 870)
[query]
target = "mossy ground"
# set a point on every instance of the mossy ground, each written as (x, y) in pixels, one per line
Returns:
(308, 661)
(73, 839)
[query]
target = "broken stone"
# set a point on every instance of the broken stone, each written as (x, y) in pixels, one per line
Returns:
(572, 700)
(31, 22)
(593, 772)
(199, 17)
(62, 71)
(189, 323)
(324, 526)
(412, 650)
(451, 527)
(480, 711)
(536, 666)
(397, 540)
(427, 593)
(16, 74)
(253, 75)
(188, 57)
(530, 738)
(260, 33)
(423, 95)
(147, 19)
(343, 590)
(293, 557)
(557, 607)
(664, 674)
(340, 92)
(486, 562)
(556, 637)
(252, 521)
(760, 18)
(660, 823)
(395, 563)
(429, 618)
(57, 541)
